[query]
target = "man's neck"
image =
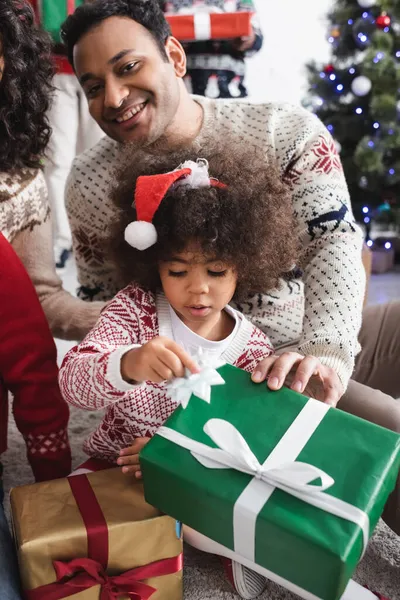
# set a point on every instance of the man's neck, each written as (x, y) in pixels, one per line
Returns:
(185, 127)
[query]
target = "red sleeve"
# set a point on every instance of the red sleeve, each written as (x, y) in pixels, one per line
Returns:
(28, 366)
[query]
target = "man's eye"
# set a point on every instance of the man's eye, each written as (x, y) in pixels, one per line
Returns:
(217, 273)
(129, 67)
(91, 92)
(176, 273)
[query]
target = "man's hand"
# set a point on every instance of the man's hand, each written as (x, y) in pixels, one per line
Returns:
(244, 43)
(159, 360)
(304, 374)
(129, 457)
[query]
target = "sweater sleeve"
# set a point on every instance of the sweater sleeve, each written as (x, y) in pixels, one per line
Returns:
(89, 217)
(334, 278)
(68, 317)
(89, 374)
(28, 366)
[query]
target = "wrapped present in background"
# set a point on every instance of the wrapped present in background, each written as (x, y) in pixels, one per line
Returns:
(210, 26)
(93, 536)
(286, 482)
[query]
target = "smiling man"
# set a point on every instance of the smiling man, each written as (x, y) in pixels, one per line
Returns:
(132, 72)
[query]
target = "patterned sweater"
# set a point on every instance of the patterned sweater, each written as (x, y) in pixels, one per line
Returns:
(25, 222)
(90, 375)
(319, 314)
(28, 369)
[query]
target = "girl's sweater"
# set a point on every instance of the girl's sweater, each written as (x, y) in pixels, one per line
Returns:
(90, 375)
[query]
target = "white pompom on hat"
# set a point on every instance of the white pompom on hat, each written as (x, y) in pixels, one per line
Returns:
(151, 189)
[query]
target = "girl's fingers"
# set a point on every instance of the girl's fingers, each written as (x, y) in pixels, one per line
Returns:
(136, 446)
(280, 369)
(308, 367)
(133, 459)
(131, 470)
(186, 360)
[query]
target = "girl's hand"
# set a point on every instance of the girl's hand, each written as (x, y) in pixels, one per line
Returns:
(129, 457)
(304, 374)
(161, 359)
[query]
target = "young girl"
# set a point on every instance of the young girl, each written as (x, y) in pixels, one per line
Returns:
(195, 238)
(188, 241)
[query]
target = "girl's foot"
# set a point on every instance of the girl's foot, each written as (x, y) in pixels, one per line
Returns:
(247, 583)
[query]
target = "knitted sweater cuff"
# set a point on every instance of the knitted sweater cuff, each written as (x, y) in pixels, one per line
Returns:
(341, 362)
(113, 373)
(51, 466)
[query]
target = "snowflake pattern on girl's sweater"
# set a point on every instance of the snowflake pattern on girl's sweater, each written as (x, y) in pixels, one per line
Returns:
(90, 375)
(319, 314)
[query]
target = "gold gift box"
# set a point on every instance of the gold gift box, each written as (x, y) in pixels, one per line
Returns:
(48, 526)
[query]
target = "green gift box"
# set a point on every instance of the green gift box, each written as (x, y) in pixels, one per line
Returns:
(289, 484)
(53, 14)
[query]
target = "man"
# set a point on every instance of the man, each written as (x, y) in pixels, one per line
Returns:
(131, 70)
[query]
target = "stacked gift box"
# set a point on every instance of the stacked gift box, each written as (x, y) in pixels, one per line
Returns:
(91, 537)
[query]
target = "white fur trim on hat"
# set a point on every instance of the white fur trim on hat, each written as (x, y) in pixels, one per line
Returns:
(198, 178)
(140, 235)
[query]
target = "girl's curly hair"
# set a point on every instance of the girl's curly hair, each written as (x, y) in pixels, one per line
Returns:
(25, 87)
(249, 225)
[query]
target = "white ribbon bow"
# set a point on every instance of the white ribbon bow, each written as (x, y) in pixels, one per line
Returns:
(294, 478)
(199, 384)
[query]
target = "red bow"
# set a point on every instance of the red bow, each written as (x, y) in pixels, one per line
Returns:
(83, 573)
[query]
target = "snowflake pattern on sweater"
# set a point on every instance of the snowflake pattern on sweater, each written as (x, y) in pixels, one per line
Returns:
(319, 314)
(87, 376)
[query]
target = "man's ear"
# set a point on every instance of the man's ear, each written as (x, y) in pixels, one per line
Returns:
(176, 56)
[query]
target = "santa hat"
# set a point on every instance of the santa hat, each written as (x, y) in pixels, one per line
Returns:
(151, 189)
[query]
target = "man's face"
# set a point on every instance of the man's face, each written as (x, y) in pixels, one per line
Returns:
(132, 90)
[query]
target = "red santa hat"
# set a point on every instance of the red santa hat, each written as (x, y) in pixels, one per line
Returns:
(151, 189)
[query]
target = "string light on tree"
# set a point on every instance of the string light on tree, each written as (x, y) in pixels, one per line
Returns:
(363, 29)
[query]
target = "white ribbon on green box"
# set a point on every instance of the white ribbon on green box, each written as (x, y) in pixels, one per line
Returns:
(280, 470)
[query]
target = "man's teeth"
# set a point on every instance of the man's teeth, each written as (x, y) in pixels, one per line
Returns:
(131, 113)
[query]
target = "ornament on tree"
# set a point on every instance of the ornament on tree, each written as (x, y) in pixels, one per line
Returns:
(329, 69)
(338, 146)
(366, 3)
(383, 21)
(334, 32)
(361, 85)
(363, 29)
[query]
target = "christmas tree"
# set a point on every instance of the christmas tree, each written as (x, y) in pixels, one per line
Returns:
(357, 96)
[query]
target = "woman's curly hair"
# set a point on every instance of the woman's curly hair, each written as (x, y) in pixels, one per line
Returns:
(25, 87)
(249, 225)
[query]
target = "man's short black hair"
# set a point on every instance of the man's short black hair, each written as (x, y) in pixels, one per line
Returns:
(147, 13)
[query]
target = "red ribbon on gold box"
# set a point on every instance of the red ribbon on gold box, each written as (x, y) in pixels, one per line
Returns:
(93, 537)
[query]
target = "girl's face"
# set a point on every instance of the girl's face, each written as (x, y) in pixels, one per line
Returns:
(197, 287)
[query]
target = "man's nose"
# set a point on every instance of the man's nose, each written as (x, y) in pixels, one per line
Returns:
(115, 94)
